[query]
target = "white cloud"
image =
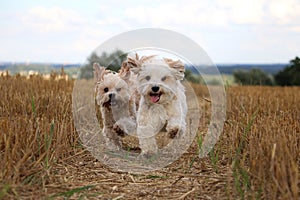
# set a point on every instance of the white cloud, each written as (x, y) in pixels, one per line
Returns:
(219, 13)
(54, 19)
(199, 13)
(50, 34)
(244, 12)
(229, 29)
(285, 12)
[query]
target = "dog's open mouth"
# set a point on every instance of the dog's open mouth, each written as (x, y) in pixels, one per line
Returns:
(113, 103)
(155, 97)
(110, 103)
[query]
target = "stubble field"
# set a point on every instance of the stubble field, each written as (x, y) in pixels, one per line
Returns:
(42, 157)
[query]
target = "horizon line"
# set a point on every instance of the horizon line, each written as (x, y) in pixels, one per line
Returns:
(78, 63)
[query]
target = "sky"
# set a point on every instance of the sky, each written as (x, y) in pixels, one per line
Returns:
(229, 31)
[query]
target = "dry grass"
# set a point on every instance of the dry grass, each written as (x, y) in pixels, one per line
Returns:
(257, 156)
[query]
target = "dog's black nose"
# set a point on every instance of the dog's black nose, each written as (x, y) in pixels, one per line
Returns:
(155, 88)
(112, 95)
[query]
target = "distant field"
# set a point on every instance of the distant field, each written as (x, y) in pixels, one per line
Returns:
(72, 69)
(214, 79)
(41, 156)
(41, 68)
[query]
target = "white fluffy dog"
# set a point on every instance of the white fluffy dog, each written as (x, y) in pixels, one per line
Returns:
(162, 102)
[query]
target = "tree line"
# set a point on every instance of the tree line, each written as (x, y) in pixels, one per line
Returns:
(112, 61)
(289, 76)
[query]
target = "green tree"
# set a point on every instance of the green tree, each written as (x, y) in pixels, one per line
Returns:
(253, 77)
(194, 78)
(289, 75)
(112, 61)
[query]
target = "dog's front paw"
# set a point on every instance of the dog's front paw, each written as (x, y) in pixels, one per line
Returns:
(173, 132)
(118, 130)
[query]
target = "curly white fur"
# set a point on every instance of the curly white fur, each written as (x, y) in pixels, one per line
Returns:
(162, 102)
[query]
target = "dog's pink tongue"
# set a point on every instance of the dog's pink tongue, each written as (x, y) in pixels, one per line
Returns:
(154, 98)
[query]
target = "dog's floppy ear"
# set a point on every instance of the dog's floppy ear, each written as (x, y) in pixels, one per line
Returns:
(124, 72)
(133, 63)
(99, 72)
(177, 66)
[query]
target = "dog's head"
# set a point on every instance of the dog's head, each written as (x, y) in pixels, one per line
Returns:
(158, 79)
(111, 90)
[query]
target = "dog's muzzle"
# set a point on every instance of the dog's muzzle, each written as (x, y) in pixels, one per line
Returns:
(155, 94)
(112, 100)
(111, 96)
(155, 88)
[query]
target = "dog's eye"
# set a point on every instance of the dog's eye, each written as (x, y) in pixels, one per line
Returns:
(147, 78)
(119, 89)
(163, 78)
(106, 89)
